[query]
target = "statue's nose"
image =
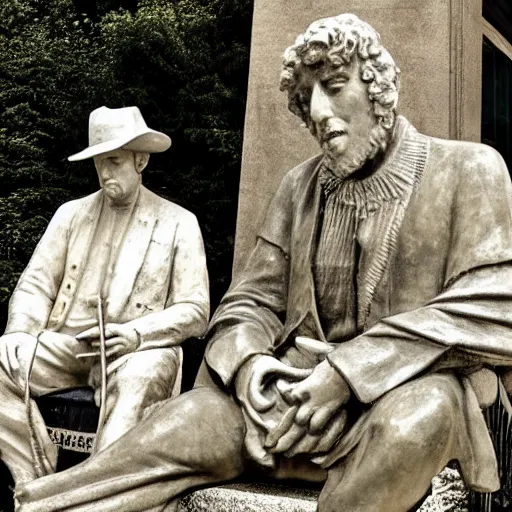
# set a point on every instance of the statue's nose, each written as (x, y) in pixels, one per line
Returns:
(320, 107)
(104, 173)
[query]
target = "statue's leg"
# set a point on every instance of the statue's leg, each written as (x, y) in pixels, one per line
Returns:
(52, 370)
(193, 440)
(15, 447)
(145, 378)
(410, 435)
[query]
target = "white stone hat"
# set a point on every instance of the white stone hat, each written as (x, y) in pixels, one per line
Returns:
(115, 128)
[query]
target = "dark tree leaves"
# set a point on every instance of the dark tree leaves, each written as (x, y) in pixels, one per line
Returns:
(184, 63)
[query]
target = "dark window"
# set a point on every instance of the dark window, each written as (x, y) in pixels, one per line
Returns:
(499, 14)
(497, 100)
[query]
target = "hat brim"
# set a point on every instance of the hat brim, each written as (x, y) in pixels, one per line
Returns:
(149, 141)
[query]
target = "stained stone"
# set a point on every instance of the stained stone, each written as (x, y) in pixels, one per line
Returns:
(365, 335)
(273, 141)
(116, 283)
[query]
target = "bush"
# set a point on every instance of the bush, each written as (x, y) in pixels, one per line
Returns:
(183, 63)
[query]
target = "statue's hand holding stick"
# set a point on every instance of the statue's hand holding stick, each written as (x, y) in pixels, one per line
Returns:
(111, 340)
(120, 339)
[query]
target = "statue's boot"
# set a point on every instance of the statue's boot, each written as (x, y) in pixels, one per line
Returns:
(192, 441)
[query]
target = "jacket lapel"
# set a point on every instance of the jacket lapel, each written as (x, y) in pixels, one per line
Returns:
(132, 254)
(82, 231)
(301, 300)
(409, 162)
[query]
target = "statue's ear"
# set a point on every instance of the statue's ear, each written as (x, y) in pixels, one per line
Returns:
(141, 161)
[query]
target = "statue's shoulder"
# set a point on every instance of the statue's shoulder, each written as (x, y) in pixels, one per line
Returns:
(465, 158)
(69, 209)
(166, 209)
(296, 177)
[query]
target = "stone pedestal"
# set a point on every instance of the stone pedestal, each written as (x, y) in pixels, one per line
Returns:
(250, 497)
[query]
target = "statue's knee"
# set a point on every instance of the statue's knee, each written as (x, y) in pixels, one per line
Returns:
(205, 403)
(422, 420)
(213, 424)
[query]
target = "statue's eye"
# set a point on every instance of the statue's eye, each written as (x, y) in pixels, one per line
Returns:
(335, 85)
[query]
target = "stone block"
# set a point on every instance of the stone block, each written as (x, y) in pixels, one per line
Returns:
(250, 498)
(448, 494)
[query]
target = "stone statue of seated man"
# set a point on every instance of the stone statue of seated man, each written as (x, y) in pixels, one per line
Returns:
(138, 254)
(368, 329)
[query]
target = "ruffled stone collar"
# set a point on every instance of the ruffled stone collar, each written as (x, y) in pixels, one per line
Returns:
(399, 172)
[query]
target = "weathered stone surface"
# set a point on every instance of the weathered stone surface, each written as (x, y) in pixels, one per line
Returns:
(250, 498)
(337, 343)
(79, 313)
(448, 494)
(272, 146)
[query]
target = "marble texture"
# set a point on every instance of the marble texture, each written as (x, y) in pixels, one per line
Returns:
(250, 498)
(448, 493)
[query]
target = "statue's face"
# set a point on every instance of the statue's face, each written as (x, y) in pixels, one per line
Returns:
(342, 116)
(118, 176)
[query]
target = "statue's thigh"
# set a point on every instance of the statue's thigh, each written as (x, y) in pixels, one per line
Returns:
(55, 365)
(406, 438)
(148, 376)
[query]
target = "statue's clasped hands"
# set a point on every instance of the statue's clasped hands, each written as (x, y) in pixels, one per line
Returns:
(120, 339)
(301, 413)
(316, 418)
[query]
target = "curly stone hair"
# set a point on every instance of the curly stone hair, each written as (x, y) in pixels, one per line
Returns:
(334, 42)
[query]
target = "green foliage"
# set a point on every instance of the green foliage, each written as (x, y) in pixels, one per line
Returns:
(183, 62)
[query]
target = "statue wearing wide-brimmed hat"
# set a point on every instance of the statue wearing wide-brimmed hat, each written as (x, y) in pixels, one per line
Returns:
(111, 129)
(117, 282)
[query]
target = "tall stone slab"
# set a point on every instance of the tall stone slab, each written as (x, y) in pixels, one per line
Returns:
(435, 43)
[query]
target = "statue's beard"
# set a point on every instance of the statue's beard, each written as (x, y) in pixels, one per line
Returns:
(359, 150)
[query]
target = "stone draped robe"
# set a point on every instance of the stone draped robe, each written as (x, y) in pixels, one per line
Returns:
(434, 295)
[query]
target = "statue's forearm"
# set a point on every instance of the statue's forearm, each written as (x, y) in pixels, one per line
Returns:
(249, 320)
(28, 312)
(171, 326)
(468, 326)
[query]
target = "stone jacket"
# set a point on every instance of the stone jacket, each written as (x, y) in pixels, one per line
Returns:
(436, 295)
(159, 284)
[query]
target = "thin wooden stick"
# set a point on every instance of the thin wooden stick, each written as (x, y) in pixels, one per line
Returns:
(41, 462)
(103, 361)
